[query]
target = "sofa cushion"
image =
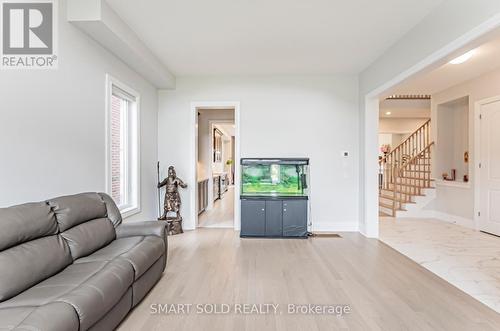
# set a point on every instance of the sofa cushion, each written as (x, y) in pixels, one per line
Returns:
(113, 250)
(98, 294)
(144, 254)
(145, 283)
(40, 318)
(88, 237)
(27, 264)
(26, 222)
(54, 287)
(75, 209)
(140, 252)
(12, 317)
(113, 317)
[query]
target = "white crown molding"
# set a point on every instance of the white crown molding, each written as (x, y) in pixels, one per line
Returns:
(99, 21)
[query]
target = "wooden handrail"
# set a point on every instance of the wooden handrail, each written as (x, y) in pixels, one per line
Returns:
(404, 141)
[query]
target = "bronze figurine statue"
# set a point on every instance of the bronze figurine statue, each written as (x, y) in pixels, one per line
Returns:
(172, 203)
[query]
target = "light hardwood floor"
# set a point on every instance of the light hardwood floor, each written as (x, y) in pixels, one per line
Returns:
(384, 289)
(222, 214)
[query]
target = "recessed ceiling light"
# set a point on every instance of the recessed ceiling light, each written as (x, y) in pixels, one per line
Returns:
(463, 58)
(388, 113)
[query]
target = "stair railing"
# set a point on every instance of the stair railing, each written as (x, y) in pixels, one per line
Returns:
(412, 177)
(391, 163)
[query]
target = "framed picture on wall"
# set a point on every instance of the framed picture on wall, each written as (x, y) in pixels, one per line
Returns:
(217, 146)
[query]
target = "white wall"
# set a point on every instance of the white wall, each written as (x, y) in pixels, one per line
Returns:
(52, 132)
(287, 116)
(227, 155)
(452, 138)
(400, 125)
(459, 201)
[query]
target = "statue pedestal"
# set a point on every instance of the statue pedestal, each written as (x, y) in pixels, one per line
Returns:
(174, 225)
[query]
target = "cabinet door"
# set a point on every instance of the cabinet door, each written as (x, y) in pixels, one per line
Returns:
(253, 218)
(295, 218)
(274, 218)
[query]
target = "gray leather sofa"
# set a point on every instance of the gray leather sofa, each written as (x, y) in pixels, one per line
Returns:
(70, 264)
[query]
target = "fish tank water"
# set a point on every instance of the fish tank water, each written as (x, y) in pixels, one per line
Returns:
(274, 177)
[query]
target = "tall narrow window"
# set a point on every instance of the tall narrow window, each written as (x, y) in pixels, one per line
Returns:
(122, 169)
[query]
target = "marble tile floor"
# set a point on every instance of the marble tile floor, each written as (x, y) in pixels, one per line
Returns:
(468, 259)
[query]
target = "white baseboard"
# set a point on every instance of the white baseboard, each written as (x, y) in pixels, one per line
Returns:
(445, 217)
(335, 227)
(465, 222)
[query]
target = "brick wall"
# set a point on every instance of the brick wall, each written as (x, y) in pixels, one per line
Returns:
(115, 149)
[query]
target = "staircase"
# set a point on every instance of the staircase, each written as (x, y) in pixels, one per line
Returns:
(405, 172)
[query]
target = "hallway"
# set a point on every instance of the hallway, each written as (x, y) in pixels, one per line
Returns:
(222, 214)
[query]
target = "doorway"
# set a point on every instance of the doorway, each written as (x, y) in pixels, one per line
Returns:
(488, 172)
(215, 156)
(216, 139)
(436, 71)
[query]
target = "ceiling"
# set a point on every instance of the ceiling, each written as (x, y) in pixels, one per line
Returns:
(485, 59)
(200, 37)
(405, 109)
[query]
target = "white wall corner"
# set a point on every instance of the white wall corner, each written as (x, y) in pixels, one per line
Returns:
(101, 23)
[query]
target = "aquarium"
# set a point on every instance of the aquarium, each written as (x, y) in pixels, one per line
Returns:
(274, 177)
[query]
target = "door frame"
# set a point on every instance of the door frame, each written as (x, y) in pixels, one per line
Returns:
(369, 200)
(193, 151)
(477, 157)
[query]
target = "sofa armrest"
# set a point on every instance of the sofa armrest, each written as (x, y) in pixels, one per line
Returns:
(151, 228)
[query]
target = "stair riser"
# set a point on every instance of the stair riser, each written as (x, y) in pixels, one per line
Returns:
(385, 200)
(386, 211)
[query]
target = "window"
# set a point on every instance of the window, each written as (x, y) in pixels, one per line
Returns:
(122, 133)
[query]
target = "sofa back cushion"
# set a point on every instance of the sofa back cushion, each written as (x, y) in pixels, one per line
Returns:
(83, 222)
(29, 263)
(75, 209)
(19, 224)
(88, 237)
(113, 212)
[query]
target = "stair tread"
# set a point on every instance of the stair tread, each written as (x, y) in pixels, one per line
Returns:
(418, 178)
(405, 192)
(384, 205)
(412, 185)
(389, 197)
(426, 171)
